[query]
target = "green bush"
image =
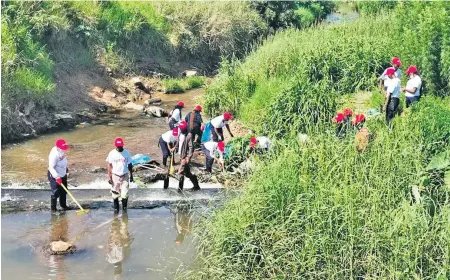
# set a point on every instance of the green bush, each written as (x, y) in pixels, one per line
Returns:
(173, 85)
(195, 82)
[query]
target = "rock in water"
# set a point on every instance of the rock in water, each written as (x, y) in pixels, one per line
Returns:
(134, 106)
(61, 247)
(152, 101)
(155, 111)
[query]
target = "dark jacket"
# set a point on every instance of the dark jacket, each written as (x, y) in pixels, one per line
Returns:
(187, 148)
(197, 119)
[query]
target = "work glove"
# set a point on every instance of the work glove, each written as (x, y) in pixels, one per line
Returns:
(131, 179)
(110, 181)
(231, 134)
(58, 181)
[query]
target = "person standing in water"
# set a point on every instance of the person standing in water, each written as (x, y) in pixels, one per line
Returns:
(187, 151)
(57, 174)
(175, 116)
(120, 170)
(195, 123)
(209, 148)
(168, 143)
(218, 123)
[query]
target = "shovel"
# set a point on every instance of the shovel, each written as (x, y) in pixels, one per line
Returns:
(81, 211)
(172, 168)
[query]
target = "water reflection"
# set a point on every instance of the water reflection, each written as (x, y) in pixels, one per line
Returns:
(119, 243)
(59, 231)
(183, 222)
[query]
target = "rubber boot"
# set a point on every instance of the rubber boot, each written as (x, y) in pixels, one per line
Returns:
(116, 205)
(63, 202)
(124, 204)
(166, 183)
(181, 183)
(194, 181)
(53, 203)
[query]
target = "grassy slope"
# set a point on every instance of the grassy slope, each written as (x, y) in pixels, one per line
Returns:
(321, 210)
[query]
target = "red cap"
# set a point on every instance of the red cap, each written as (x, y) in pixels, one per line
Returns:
(339, 118)
(181, 104)
(359, 118)
(118, 142)
(61, 144)
(390, 71)
(227, 116)
(175, 131)
(348, 112)
(198, 108)
(182, 125)
(221, 146)
(396, 61)
(411, 69)
(253, 142)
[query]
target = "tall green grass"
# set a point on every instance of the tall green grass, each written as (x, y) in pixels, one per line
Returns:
(321, 210)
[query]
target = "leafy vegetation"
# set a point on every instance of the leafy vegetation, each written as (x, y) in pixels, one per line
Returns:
(181, 85)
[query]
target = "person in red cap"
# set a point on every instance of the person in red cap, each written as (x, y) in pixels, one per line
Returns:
(261, 143)
(412, 89)
(175, 116)
(120, 170)
(57, 173)
(392, 95)
(396, 63)
(209, 148)
(195, 123)
(218, 123)
(187, 151)
(167, 143)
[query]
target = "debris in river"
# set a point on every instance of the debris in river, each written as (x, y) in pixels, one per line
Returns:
(362, 139)
(61, 248)
(156, 111)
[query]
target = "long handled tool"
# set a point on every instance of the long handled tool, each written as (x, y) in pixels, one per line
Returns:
(81, 211)
(172, 168)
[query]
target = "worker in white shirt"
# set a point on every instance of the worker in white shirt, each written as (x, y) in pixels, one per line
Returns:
(218, 123)
(396, 63)
(392, 95)
(260, 143)
(175, 116)
(167, 143)
(57, 173)
(412, 89)
(120, 170)
(209, 148)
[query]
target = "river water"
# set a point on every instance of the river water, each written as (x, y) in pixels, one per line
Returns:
(141, 244)
(149, 242)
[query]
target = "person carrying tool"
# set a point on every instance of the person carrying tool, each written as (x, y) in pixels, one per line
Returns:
(175, 116)
(396, 63)
(187, 151)
(261, 143)
(218, 123)
(120, 170)
(57, 174)
(167, 143)
(209, 148)
(412, 89)
(392, 95)
(195, 123)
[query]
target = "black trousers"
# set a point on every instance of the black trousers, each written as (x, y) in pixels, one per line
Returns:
(411, 100)
(391, 109)
(165, 150)
(187, 172)
(197, 131)
(209, 159)
(215, 135)
(57, 190)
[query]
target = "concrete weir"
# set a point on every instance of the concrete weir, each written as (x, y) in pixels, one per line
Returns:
(14, 200)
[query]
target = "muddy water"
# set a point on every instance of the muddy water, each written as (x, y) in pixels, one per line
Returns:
(142, 244)
(27, 162)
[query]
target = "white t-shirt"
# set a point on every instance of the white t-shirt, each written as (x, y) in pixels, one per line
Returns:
(168, 137)
(211, 146)
(393, 87)
(176, 114)
(57, 163)
(263, 142)
(119, 161)
(414, 82)
(385, 78)
(219, 122)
